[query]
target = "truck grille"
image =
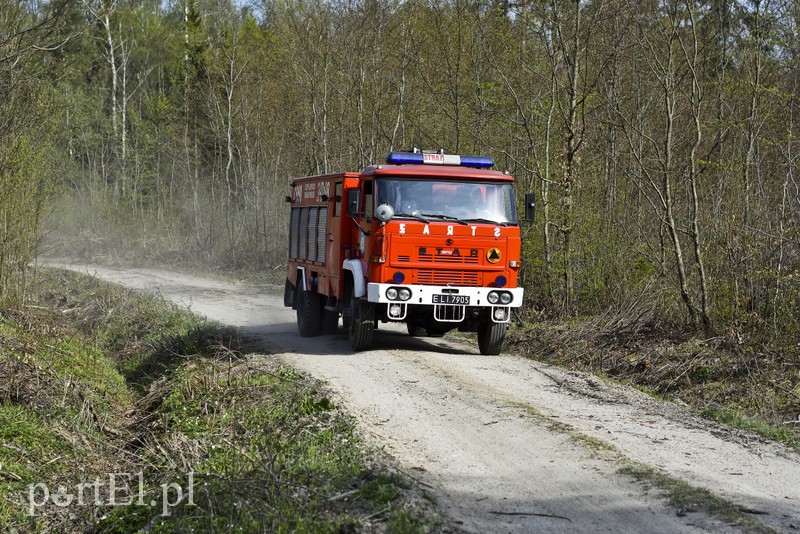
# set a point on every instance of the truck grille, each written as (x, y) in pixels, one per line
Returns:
(430, 258)
(442, 278)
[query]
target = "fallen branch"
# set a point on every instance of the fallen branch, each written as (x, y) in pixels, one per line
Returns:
(10, 475)
(343, 495)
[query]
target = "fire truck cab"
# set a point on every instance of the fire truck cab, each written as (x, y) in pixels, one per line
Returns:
(428, 239)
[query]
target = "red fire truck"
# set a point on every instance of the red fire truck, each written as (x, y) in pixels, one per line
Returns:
(428, 239)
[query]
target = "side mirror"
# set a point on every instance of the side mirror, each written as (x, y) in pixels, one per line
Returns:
(353, 202)
(530, 206)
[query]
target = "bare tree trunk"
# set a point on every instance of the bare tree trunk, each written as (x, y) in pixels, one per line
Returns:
(232, 188)
(669, 85)
(753, 126)
(548, 240)
(696, 105)
(574, 139)
(789, 181)
(123, 125)
(112, 62)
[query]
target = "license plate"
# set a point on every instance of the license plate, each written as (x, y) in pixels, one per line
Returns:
(460, 300)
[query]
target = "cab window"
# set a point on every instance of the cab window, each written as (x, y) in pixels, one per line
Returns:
(369, 207)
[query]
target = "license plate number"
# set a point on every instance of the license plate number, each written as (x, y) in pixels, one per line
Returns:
(461, 300)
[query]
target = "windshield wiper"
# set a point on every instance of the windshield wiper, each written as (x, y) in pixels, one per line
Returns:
(488, 221)
(445, 217)
(413, 216)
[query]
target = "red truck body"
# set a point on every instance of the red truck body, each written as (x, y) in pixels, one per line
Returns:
(436, 246)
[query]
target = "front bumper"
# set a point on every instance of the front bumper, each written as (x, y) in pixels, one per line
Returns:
(450, 303)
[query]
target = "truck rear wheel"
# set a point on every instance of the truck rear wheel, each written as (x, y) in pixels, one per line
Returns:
(362, 325)
(309, 313)
(490, 337)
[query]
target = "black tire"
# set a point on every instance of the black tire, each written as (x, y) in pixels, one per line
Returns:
(415, 331)
(330, 322)
(491, 336)
(309, 313)
(362, 325)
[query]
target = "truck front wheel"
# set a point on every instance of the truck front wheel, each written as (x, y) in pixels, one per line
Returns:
(491, 336)
(362, 324)
(309, 313)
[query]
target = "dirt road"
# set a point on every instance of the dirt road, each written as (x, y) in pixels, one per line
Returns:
(507, 444)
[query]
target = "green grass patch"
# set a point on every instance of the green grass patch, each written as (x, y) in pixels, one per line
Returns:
(575, 435)
(269, 452)
(29, 450)
(95, 380)
(687, 498)
(756, 425)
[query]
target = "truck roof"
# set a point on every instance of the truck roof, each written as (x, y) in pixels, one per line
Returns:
(445, 172)
(438, 171)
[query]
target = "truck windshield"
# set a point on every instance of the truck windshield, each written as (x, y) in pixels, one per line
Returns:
(466, 201)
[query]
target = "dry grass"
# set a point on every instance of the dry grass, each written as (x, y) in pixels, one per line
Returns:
(750, 385)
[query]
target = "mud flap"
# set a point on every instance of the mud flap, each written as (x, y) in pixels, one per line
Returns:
(288, 294)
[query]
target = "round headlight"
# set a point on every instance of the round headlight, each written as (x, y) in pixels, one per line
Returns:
(391, 293)
(492, 297)
(404, 293)
(395, 310)
(506, 297)
(500, 314)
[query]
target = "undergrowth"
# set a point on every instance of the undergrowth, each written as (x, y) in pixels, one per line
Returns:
(750, 385)
(122, 413)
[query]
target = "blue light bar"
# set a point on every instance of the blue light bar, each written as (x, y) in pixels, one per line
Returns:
(435, 158)
(480, 162)
(405, 158)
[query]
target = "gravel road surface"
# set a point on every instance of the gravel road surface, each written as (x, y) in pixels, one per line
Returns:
(507, 444)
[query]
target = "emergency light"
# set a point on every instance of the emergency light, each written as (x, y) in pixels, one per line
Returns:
(436, 158)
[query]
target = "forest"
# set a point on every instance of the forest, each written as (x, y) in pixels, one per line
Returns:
(658, 136)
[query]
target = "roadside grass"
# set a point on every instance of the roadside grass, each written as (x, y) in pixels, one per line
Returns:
(756, 425)
(754, 388)
(681, 495)
(98, 382)
(689, 499)
(268, 452)
(60, 408)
